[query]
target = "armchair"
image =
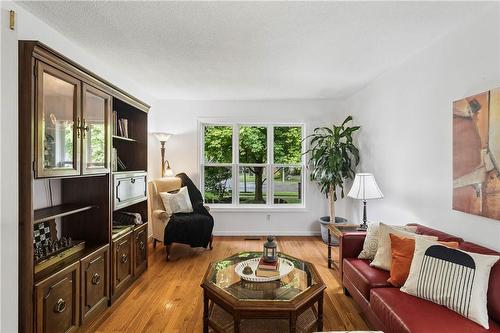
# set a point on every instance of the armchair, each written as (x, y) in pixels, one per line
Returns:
(194, 229)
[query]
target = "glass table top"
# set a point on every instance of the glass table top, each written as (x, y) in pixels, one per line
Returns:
(222, 274)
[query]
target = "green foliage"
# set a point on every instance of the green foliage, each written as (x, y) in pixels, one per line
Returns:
(97, 144)
(218, 144)
(287, 145)
(217, 183)
(333, 156)
(253, 144)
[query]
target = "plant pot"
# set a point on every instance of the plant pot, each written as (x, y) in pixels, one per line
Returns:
(324, 222)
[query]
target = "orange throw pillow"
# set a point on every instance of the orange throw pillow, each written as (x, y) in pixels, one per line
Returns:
(402, 249)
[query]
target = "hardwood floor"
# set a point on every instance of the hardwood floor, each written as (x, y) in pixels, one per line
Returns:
(168, 297)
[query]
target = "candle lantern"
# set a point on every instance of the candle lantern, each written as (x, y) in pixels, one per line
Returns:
(270, 250)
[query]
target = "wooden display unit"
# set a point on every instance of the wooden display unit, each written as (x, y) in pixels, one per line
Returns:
(66, 134)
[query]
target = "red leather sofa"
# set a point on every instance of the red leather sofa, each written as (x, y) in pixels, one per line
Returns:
(392, 311)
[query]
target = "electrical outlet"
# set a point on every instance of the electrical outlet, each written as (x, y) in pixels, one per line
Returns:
(268, 217)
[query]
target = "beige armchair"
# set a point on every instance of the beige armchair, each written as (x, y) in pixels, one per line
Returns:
(157, 214)
(160, 218)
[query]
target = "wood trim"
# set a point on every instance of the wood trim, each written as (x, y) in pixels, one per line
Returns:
(49, 55)
(107, 134)
(26, 160)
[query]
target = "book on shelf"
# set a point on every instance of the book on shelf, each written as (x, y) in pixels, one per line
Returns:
(114, 160)
(115, 123)
(122, 125)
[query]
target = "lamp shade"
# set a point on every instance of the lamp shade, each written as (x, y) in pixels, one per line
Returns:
(162, 137)
(365, 187)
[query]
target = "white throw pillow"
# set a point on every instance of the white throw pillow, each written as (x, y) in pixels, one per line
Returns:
(383, 257)
(450, 277)
(370, 244)
(177, 202)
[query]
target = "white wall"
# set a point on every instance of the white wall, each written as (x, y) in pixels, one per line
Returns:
(181, 119)
(406, 136)
(28, 28)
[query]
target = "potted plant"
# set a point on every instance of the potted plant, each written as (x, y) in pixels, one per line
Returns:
(333, 159)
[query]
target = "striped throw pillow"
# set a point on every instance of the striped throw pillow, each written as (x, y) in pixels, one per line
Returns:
(453, 278)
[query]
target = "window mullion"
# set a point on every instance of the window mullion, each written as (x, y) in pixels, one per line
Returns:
(270, 161)
(235, 168)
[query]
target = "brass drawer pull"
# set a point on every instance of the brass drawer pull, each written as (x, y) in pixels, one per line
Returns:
(142, 246)
(60, 306)
(124, 258)
(96, 279)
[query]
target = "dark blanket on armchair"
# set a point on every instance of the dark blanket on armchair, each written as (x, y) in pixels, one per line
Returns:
(194, 229)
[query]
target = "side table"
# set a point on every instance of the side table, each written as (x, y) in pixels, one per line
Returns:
(338, 230)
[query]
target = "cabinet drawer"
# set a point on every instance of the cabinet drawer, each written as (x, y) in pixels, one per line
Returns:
(140, 249)
(129, 188)
(57, 301)
(95, 283)
(122, 261)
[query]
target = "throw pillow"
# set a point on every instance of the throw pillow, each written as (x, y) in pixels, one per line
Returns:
(383, 258)
(370, 244)
(402, 249)
(178, 202)
(450, 277)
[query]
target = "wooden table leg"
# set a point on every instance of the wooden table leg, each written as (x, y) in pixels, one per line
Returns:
(320, 312)
(329, 249)
(236, 319)
(293, 322)
(205, 313)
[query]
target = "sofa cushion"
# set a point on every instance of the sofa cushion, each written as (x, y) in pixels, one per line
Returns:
(494, 283)
(401, 312)
(442, 236)
(363, 276)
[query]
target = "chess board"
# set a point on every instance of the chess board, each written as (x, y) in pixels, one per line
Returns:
(42, 233)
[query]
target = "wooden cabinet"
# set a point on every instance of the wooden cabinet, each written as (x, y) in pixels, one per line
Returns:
(57, 121)
(129, 188)
(72, 127)
(140, 249)
(122, 262)
(95, 130)
(57, 301)
(95, 281)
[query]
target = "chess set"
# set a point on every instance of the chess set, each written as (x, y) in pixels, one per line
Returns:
(48, 250)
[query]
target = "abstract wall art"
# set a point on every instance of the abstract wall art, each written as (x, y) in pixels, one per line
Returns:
(476, 154)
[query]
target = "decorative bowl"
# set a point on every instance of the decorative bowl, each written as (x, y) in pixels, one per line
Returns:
(286, 266)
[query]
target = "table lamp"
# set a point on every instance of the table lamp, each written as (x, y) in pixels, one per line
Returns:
(166, 171)
(365, 188)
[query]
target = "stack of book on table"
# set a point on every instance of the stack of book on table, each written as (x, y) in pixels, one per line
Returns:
(268, 269)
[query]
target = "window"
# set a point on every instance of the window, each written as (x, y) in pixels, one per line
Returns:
(252, 165)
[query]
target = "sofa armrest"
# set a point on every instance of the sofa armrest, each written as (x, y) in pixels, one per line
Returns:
(351, 244)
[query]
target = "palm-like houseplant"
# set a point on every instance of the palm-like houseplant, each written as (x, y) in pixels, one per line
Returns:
(333, 158)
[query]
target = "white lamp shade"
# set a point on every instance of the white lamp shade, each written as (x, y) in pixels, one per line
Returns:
(162, 137)
(365, 187)
(169, 172)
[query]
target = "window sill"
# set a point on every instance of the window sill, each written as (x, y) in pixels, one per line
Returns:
(239, 209)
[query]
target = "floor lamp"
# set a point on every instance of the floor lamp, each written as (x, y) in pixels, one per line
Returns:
(166, 171)
(365, 188)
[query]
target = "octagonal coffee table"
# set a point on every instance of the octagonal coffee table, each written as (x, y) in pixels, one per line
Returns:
(292, 304)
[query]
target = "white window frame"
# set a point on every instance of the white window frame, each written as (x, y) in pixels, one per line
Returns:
(235, 165)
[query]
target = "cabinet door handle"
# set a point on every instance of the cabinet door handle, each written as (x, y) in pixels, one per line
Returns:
(85, 128)
(132, 180)
(124, 258)
(60, 306)
(96, 279)
(78, 127)
(142, 246)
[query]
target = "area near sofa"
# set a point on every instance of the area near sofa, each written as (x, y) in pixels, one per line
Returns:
(390, 310)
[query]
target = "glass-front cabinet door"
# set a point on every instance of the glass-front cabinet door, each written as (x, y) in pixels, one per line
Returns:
(57, 109)
(95, 130)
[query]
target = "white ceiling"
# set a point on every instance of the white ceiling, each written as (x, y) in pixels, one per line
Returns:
(253, 50)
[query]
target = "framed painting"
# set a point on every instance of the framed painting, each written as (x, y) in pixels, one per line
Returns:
(476, 154)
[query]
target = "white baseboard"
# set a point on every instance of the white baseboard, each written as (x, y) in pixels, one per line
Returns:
(259, 233)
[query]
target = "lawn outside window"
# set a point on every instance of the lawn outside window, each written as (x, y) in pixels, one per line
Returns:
(252, 165)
